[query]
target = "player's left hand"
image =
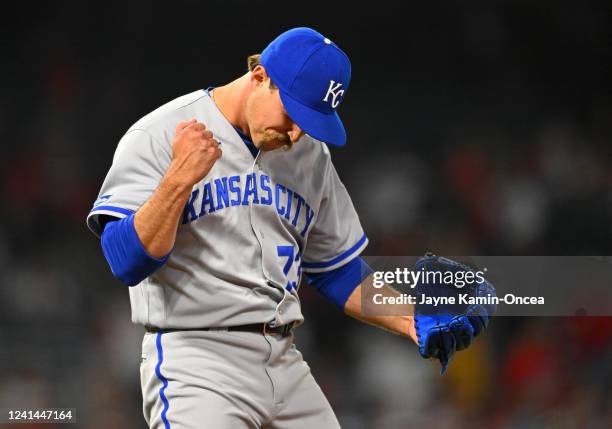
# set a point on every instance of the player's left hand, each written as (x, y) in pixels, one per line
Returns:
(443, 329)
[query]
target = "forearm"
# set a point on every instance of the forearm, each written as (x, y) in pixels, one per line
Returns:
(156, 222)
(402, 325)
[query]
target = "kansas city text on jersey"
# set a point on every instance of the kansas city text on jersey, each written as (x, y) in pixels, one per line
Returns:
(231, 191)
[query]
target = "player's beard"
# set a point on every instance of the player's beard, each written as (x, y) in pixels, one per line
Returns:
(270, 140)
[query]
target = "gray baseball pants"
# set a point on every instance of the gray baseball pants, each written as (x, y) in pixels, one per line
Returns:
(229, 380)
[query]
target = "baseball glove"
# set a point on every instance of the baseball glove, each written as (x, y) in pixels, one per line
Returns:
(444, 325)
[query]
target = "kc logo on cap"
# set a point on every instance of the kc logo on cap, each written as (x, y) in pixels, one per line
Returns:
(313, 75)
(335, 92)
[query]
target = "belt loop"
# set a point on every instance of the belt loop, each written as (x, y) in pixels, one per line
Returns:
(265, 329)
(286, 331)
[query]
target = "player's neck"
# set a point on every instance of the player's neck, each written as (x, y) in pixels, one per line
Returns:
(231, 99)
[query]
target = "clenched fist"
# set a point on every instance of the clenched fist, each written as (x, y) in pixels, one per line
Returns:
(194, 152)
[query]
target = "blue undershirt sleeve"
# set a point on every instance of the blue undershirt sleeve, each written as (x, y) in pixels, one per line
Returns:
(337, 285)
(125, 254)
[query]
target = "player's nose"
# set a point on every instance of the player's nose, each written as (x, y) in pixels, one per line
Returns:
(295, 133)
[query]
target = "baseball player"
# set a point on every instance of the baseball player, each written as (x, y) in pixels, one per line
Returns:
(214, 206)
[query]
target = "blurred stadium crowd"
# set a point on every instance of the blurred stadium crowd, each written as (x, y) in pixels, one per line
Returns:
(476, 130)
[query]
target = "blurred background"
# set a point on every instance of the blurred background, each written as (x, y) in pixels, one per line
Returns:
(473, 129)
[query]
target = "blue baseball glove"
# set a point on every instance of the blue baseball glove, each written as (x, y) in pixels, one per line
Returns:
(443, 326)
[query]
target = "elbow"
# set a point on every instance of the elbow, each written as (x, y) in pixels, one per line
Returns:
(126, 275)
(338, 285)
(128, 260)
(123, 265)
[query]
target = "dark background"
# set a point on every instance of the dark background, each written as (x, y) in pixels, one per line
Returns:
(473, 129)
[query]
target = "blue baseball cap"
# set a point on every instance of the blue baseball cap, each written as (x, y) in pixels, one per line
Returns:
(312, 74)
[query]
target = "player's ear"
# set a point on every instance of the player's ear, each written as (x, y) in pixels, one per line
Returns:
(295, 133)
(259, 75)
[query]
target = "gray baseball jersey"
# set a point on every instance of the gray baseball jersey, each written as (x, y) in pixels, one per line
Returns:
(248, 230)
